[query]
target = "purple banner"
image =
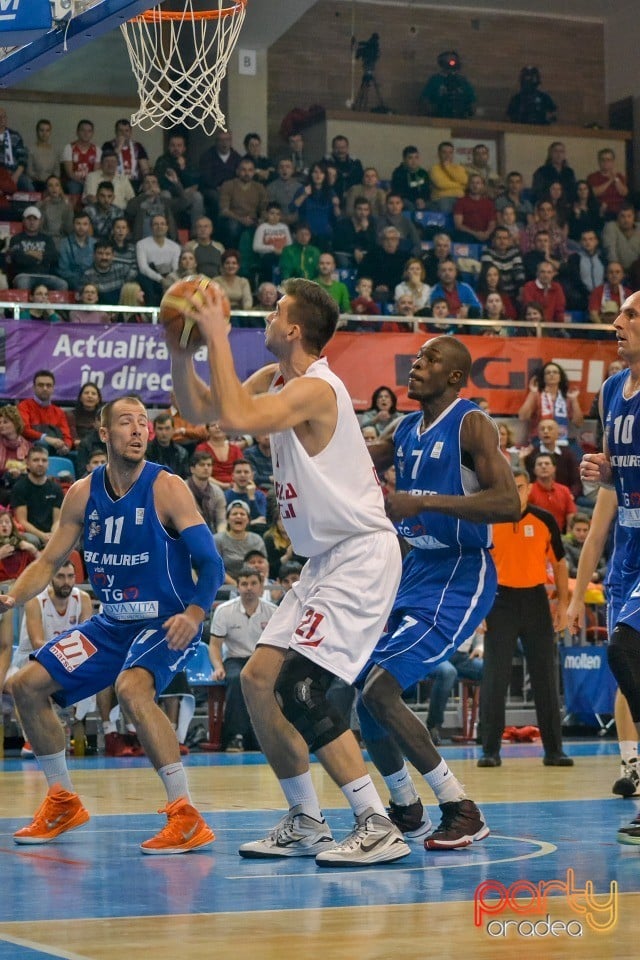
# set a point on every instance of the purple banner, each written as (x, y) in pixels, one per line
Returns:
(120, 358)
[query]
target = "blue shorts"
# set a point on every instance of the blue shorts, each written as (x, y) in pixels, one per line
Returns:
(89, 657)
(442, 599)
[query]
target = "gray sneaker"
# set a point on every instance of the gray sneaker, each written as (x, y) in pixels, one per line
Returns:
(373, 840)
(296, 835)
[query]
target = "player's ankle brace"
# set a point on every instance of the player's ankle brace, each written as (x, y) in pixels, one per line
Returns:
(623, 654)
(302, 687)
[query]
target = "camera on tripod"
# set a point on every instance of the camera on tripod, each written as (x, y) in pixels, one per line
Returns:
(369, 52)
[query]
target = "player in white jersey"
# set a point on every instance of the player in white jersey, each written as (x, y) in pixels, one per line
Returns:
(329, 622)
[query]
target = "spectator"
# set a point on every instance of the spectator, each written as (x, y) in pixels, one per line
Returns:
(550, 397)
(371, 190)
(354, 236)
(104, 212)
(503, 255)
(410, 243)
(238, 624)
(466, 664)
(149, 204)
(609, 185)
(300, 259)
(547, 292)
(237, 288)
(384, 264)
(45, 422)
(207, 251)
(383, 410)
(349, 168)
(271, 589)
(107, 276)
(188, 434)
(297, 156)
(209, 497)
(241, 201)
(335, 288)
(132, 295)
(44, 158)
(243, 487)
(494, 310)
(439, 311)
(283, 189)
(490, 282)
(404, 306)
(413, 284)
(507, 218)
(57, 212)
(605, 300)
(15, 156)
(133, 161)
(223, 453)
(441, 250)
(621, 242)
(235, 542)
(480, 164)
(77, 251)
(474, 215)
(584, 272)
(506, 443)
(89, 445)
(80, 158)
(217, 164)
(187, 267)
(461, 298)
(45, 314)
(583, 213)
(541, 251)
(162, 448)
(259, 456)
(270, 239)
(411, 181)
(107, 172)
(555, 168)
(124, 248)
(364, 304)
(448, 179)
(33, 254)
(550, 495)
(318, 205)
(179, 180)
(279, 547)
(556, 197)
(264, 167)
(157, 257)
(13, 444)
(36, 499)
(545, 219)
(513, 197)
(564, 459)
(86, 409)
(266, 296)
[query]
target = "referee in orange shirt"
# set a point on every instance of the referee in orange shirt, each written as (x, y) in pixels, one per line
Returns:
(521, 609)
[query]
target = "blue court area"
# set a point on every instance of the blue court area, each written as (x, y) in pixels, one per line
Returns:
(98, 871)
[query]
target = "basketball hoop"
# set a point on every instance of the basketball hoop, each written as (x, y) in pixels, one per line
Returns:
(179, 61)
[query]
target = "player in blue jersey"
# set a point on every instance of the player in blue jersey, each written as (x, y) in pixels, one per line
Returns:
(619, 464)
(451, 482)
(142, 534)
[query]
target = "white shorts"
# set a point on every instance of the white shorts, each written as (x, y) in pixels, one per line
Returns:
(335, 613)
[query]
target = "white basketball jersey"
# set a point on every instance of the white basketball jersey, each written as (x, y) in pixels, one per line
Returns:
(334, 495)
(53, 622)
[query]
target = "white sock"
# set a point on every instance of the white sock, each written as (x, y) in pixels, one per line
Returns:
(54, 767)
(362, 794)
(174, 778)
(628, 750)
(108, 726)
(401, 788)
(443, 783)
(300, 791)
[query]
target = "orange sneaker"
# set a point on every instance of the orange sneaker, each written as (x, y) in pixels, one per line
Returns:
(59, 812)
(184, 831)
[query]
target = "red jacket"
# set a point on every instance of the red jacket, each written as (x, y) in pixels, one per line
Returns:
(552, 300)
(34, 414)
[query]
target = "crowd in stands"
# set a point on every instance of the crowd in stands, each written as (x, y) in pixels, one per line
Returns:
(443, 241)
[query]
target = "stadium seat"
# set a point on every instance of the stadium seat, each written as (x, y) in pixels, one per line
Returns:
(199, 673)
(58, 465)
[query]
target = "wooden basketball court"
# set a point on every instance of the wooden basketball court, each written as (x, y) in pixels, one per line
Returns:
(93, 895)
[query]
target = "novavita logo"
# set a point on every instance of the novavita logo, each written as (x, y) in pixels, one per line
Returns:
(582, 661)
(9, 9)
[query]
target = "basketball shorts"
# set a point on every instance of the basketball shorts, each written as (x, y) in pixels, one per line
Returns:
(442, 599)
(89, 657)
(334, 614)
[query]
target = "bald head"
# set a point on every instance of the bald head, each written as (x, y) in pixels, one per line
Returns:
(456, 356)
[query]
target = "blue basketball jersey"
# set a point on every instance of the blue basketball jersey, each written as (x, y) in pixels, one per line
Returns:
(622, 431)
(137, 570)
(429, 462)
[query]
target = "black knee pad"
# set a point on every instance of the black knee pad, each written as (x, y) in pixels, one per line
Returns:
(623, 654)
(302, 687)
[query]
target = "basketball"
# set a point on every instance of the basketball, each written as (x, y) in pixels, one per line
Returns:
(176, 303)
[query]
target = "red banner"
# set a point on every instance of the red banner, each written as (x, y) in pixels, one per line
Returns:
(500, 372)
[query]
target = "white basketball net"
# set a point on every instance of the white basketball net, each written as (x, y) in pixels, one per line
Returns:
(179, 64)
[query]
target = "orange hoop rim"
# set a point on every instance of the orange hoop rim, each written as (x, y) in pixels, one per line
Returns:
(157, 15)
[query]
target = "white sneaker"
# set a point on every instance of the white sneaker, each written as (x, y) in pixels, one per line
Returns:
(629, 782)
(373, 840)
(296, 835)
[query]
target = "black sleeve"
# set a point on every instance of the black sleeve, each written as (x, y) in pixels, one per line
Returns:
(556, 537)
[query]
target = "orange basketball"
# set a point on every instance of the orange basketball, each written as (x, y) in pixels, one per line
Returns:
(181, 331)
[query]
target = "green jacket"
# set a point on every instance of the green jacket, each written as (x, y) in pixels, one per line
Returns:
(299, 261)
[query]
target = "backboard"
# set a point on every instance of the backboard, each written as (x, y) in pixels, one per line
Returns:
(86, 20)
